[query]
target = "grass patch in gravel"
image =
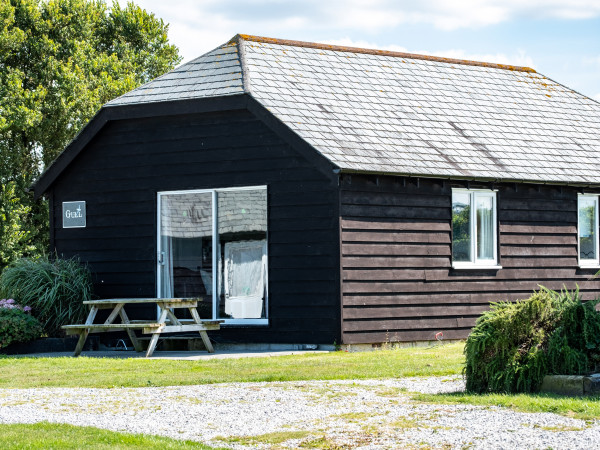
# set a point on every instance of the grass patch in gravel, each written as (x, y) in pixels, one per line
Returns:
(585, 408)
(274, 438)
(115, 372)
(45, 435)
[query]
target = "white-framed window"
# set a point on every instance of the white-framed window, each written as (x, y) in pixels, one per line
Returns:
(587, 230)
(474, 229)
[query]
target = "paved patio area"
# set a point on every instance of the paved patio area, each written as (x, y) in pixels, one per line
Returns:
(183, 354)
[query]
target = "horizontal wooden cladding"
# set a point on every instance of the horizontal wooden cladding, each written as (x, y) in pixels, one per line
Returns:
(400, 212)
(382, 262)
(537, 204)
(526, 250)
(395, 237)
(538, 239)
(395, 274)
(420, 299)
(352, 313)
(537, 216)
(538, 261)
(393, 199)
(381, 224)
(403, 336)
(445, 287)
(129, 161)
(535, 228)
(412, 323)
(393, 249)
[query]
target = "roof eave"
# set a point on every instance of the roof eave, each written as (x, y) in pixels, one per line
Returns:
(582, 184)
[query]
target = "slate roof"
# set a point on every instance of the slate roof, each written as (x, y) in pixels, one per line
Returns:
(386, 112)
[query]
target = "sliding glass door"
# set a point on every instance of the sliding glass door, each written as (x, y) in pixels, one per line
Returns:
(231, 281)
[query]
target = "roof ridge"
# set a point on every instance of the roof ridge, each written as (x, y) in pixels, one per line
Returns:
(339, 48)
(244, 67)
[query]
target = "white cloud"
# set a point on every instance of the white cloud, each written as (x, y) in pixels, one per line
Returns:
(592, 61)
(198, 26)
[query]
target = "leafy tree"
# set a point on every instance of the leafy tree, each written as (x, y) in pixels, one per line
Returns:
(14, 236)
(60, 60)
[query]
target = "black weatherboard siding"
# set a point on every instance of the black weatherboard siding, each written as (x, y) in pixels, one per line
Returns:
(123, 167)
(397, 279)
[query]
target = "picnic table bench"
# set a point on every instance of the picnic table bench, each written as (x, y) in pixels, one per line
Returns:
(167, 321)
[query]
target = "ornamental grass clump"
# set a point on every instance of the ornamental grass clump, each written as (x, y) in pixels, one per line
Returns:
(16, 323)
(54, 289)
(514, 345)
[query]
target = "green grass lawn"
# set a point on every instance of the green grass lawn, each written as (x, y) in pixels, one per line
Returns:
(108, 372)
(46, 435)
(585, 408)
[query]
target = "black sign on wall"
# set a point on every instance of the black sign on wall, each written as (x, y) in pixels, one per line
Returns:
(74, 214)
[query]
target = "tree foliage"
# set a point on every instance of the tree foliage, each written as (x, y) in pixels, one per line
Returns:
(514, 345)
(60, 61)
(14, 227)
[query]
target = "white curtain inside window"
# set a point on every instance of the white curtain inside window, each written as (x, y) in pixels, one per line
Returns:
(485, 227)
(245, 271)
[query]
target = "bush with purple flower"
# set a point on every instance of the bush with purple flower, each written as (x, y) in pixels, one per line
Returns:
(10, 303)
(16, 323)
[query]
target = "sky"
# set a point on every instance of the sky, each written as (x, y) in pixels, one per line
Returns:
(558, 38)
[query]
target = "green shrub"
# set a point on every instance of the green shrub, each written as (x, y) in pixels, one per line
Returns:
(54, 289)
(514, 345)
(17, 326)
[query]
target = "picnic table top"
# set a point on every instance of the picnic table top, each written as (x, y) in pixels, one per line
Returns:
(113, 301)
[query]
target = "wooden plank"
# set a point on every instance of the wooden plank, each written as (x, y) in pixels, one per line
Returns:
(394, 199)
(395, 212)
(408, 324)
(182, 328)
(441, 298)
(538, 261)
(383, 274)
(533, 239)
(559, 217)
(112, 326)
(378, 236)
(394, 261)
(116, 301)
(402, 336)
(533, 227)
(353, 287)
(537, 204)
(508, 274)
(395, 249)
(367, 223)
(390, 312)
(156, 333)
(507, 250)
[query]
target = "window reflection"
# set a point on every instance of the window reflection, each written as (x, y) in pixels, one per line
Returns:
(242, 223)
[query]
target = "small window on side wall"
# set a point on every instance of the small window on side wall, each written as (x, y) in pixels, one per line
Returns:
(587, 228)
(474, 236)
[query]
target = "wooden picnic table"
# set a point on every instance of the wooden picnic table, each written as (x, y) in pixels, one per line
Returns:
(167, 321)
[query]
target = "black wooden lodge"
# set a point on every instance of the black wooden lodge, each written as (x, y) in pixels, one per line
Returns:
(310, 193)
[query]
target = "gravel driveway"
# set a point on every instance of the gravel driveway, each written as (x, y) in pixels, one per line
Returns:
(341, 414)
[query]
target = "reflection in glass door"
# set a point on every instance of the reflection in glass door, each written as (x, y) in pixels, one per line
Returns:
(231, 281)
(185, 259)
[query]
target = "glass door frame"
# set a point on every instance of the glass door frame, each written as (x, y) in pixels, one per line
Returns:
(215, 252)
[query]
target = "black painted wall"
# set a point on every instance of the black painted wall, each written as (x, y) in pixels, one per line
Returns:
(120, 171)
